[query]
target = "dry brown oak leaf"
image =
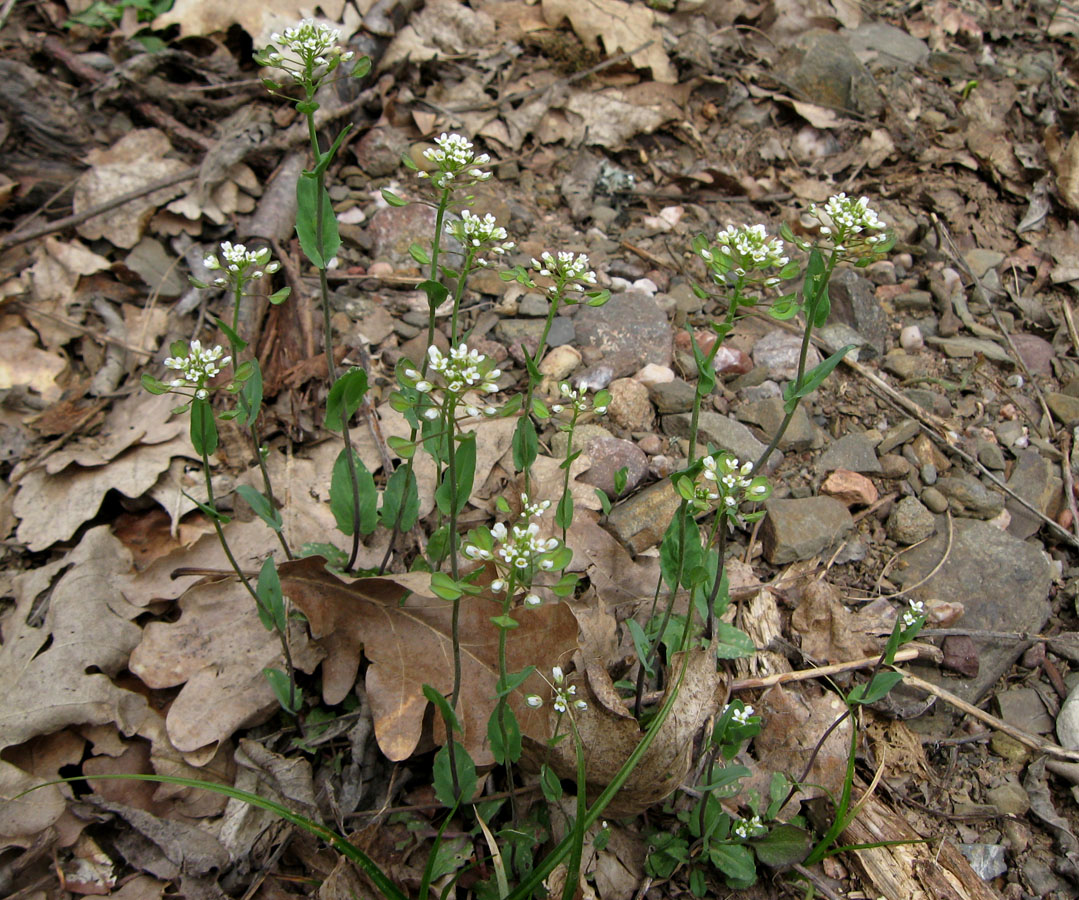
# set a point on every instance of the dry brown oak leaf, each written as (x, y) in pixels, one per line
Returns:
(404, 630)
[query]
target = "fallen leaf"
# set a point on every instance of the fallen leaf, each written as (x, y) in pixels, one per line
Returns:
(609, 736)
(616, 115)
(139, 158)
(829, 631)
(1064, 157)
(50, 508)
(217, 650)
(405, 633)
(52, 283)
(22, 364)
(441, 27)
(259, 18)
(58, 671)
(26, 817)
(617, 27)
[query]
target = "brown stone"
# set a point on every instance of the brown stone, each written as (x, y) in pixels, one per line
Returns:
(850, 488)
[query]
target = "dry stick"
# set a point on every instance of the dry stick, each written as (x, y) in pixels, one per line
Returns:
(97, 336)
(13, 240)
(1069, 318)
(943, 237)
(931, 573)
(1029, 740)
(1067, 446)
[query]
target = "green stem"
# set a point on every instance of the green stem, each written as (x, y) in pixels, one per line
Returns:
(503, 674)
(556, 298)
(327, 329)
(721, 548)
(470, 257)
(573, 867)
(569, 453)
(283, 638)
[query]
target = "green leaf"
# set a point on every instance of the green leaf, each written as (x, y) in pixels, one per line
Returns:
(154, 385)
(445, 587)
(457, 491)
(784, 845)
(345, 398)
(505, 622)
(400, 500)
(306, 107)
(525, 444)
(335, 557)
(342, 499)
(786, 307)
(813, 378)
(620, 479)
(436, 293)
(552, 787)
(252, 393)
(326, 158)
(391, 198)
(735, 861)
(698, 884)
(733, 643)
(443, 779)
(362, 67)
(282, 688)
(566, 585)
(640, 643)
(403, 447)
(444, 708)
(823, 308)
(563, 514)
(419, 254)
(271, 601)
(604, 501)
(237, 343)
(307, 194)
(279, 297)
(261, 506)
(876, 689)
(512, 681)
(508, 750)
(438, 544)
(207, 509)
(203, 428)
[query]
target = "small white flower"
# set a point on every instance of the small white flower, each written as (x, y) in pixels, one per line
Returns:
(532, 600)
(557, 676)
(534, 700)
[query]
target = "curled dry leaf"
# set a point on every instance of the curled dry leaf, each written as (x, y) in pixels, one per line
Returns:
(609, 736)
(405, 633)
(830, 632)
(217, 651)
(22, 364)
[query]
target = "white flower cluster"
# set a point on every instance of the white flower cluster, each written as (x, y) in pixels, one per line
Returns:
(749, 828)
(913, 614)
(480, 235)
(517, 548)
(198, 367)
(732, 482)
(463, 370)
(564, 694)
(571, 273)
(313, 44)
(739, 716)
(577, 399)
(454, 154)
(845, 220)
(241, 265)
(749, 248)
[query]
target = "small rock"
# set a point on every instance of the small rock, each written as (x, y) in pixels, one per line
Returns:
(854, 452)
(725, 433)
(1023, 708)
(560, 362)
(967, 496)
(608, 455)
(630, 322)
(987, 860)
(850, 488)
(930, 400)
(822, 66)
(731, 361)
(904, 366)
(779, 352)
(394, 229)
(1041, 878)
(898, 435)
(533, 305)
(882, 272)
(630, 407)
(910, 522)
(1032, 479)
(934, 500)
(854, 303)
(840, 334)
(1064, 407)
(990, 455)
(763, 391)
(641, 521)
(583, 435)
(927, 454)
(981, 261)
(928, 474)
(854, 550)
(768, 414)
(891, 46)
(685, 300)
(892, 465)
(969, 347)
(960, 655)
(910, 339)
(672, 396)
(800, 529)
(1037, 353)
(594, 378)
(1009, 798)
(652, 374)
(914, 301)
(379, 151)
(651, 444)
(1007, 747)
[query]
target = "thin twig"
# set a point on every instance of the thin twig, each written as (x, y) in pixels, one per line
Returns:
(1029, 740)
(1067, 447)
(905, 654)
